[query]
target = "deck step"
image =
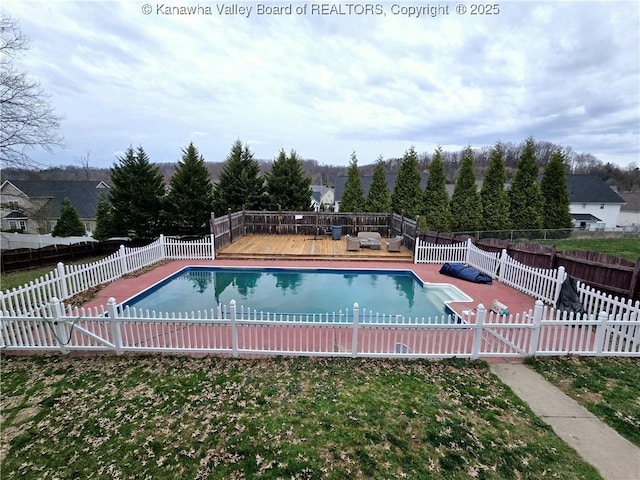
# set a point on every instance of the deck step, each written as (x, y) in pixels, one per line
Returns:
(268, 256)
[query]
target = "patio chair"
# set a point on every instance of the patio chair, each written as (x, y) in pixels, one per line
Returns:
(394, 244)
(353, 243)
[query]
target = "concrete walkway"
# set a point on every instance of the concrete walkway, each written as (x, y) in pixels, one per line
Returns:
(615, 457)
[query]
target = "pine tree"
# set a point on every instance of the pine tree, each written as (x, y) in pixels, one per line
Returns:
(136, 196)
(436, 213)
(555, 194)
(406, 198)
(379, 197)
(104, 219)
(353, 199)
(525, 198)
(240, 184)
(493, 196)
(69, 223)
(189, 202)
(287, 186)
(466, 209)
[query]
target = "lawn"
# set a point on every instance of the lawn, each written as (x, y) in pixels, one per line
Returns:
(19, 278)
(628, 248)
(220, 418)
(607, 387)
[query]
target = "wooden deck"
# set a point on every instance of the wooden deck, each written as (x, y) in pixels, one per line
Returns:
(303, 247)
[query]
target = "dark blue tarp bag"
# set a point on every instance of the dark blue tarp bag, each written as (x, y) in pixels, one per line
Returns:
(464, 272)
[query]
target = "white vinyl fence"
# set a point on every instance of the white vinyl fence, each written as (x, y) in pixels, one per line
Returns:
(68, 280)
(233, 331)
(540, 283)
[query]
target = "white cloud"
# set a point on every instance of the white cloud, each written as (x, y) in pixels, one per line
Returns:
(564, 72)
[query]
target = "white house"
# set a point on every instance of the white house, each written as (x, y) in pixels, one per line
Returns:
(321, 195)
(630, 211)
(593, 204)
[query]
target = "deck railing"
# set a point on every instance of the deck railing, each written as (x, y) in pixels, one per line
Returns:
(66, 281)
(234, 331)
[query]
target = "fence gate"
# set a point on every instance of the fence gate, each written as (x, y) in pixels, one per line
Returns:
(507, 335)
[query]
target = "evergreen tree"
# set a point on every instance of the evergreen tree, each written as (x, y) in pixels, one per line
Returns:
(104, 219)
(353, 199)
(379, 197)
(240, 184)
(493, 196)
(136, 196)
(555, 195)
(69, 224)
(189, 202)
(525, 198)
(287, 186)
(466, 209)
(406, 198)
(436, 213)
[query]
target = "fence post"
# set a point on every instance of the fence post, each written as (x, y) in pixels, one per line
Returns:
(467, 252)
(234, 329)
(213, 246)
(416, 249)
(601, 330)
(62, 334)
(112, 312)
(354, 340)
(560, 278)
(62, 281)
(536, 325)
(503, 261)
(163, 247)
(481, 315)
(123, 261)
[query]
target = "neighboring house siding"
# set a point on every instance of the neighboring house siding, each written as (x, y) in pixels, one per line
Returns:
(606, 213)
(41, 201)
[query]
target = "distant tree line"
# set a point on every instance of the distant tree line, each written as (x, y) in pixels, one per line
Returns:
(627, 178)
(527, 204)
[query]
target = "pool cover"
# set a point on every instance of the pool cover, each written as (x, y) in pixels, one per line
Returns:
(460, 270)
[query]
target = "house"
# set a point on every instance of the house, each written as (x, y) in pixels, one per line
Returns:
(321, 197)
(630, 211)
(593, 204)
(366, 180)
(33, 206)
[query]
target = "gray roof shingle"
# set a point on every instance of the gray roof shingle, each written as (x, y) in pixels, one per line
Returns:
(591, 189)
(84, 195)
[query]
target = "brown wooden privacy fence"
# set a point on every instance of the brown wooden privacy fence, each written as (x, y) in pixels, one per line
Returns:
(605, 272)
(25, 258)
(232, 226)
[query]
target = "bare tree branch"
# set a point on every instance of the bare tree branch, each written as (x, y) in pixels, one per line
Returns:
(27, 120)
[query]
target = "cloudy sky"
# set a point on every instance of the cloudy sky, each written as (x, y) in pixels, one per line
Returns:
(325, 84)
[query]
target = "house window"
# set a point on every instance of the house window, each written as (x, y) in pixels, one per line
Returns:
(17, 225)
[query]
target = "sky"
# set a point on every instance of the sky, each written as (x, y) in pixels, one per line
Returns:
(328, 79)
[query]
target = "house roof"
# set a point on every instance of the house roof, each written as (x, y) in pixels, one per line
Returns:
(366, 180)
(84, 195)
(591, 189)
(585, 217)
(317, 191)
(15, 216)
(633, 202)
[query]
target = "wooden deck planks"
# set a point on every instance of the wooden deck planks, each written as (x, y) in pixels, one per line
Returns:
(304, 246)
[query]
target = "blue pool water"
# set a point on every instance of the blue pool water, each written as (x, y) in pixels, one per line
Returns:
(283, 290)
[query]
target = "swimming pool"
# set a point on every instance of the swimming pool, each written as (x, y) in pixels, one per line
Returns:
(299, 291)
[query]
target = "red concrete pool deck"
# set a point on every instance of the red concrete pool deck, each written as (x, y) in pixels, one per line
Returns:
(516, 301)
